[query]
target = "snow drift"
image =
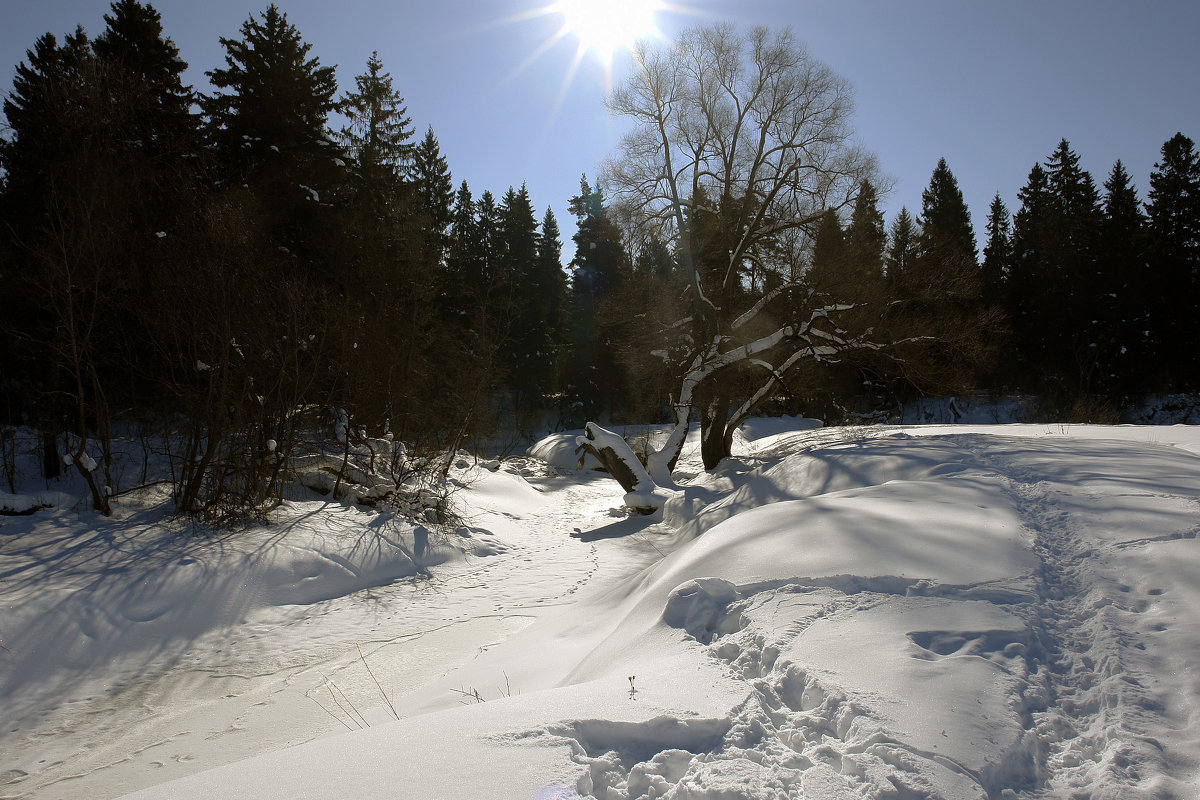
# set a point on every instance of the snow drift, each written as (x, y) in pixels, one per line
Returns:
(938, 613)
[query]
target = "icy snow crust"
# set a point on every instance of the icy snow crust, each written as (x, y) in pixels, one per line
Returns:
(956, 612)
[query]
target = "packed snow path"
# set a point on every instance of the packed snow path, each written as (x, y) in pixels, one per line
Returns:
(1104, 699)
(993, 612)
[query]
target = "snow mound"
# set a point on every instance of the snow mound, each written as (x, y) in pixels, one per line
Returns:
(558, 450)
(700, 607)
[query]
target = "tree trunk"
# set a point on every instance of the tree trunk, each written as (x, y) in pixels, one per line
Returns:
(642, 495)
(51, 463)
(714, 418)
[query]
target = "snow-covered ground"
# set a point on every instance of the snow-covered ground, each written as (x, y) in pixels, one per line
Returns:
(959, 612)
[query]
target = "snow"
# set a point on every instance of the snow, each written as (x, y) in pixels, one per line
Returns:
(28, 503)
(956, 611)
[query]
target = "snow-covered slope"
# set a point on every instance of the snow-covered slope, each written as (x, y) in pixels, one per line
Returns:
(958, 612)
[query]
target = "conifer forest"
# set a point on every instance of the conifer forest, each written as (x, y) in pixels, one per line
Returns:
(288, 257)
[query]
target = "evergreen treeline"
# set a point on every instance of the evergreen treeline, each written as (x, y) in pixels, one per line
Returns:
(1087, 296)
(230, 266)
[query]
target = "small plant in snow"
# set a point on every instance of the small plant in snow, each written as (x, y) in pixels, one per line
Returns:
(473, 695)
(341, 701)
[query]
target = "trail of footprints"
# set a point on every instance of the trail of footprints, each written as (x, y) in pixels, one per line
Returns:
(792, 736)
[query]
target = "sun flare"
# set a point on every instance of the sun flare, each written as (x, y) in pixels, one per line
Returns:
(606, 26)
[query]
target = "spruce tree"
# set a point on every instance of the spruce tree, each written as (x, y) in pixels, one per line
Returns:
(865, 241)
(269, 113)
(462, 283)
(595, 379)
(1122, 267)
(997, 253)
(902, 247)
(43, 120)
(134, 44)
(938, 294)
(377, 136)
(519, 238)
(44, 133)
(1029, 302)
(1071, 272)
(93, 169)
(267, 127)
(993, 274)
(431, 176)
(1174, 218)
(947, 240)
(95, 165)
(473, 309)
(829, 257)
(549, 286)
(490, 244)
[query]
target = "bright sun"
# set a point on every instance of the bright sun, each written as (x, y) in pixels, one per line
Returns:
(605, 26)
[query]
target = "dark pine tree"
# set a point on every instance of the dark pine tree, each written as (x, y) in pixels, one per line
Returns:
(159, 153)
(1174, 212)
(96, 173)
(595, 378)
(1071, 254)
(267, 126)
(937, 295)
(44, 133)
(946, 245)
(1126, 358)
(997, 253)
(902, 248)
(435, 188)
(492, 291)
(1028, 300)
(462, 281)
(472, 306)
(519, 241)
(134, 44)
(378, 131)
(548, 300)
(828, 272)
(865, 241)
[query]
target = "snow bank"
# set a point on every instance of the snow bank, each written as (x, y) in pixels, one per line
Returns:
(18, 504)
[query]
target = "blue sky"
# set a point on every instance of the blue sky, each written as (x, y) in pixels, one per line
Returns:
(990, 86)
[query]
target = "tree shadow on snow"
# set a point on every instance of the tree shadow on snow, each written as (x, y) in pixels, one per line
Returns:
(617, 530)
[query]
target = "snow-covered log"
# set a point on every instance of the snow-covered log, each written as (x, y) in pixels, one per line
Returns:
(642, 494)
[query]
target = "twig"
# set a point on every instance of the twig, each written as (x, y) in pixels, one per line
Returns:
(473, 694)
(330, 686)
(640, 538)
(330, 713)
(382, 693)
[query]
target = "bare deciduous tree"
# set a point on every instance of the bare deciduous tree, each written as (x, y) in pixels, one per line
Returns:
(740, 143)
